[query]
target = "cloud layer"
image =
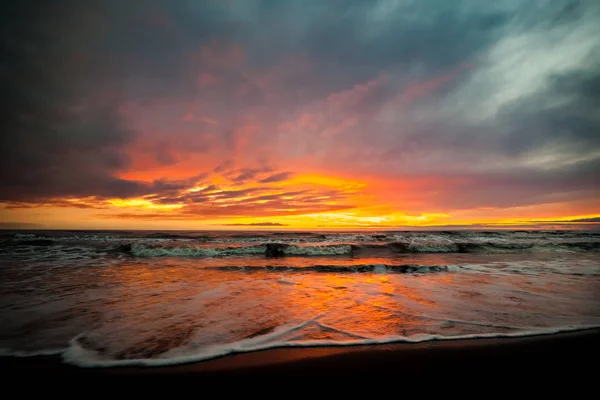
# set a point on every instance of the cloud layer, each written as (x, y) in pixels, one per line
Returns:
(263, 109)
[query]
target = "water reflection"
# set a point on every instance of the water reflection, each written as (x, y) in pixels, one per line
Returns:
(165, 307)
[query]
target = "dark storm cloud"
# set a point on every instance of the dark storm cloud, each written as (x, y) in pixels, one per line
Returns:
(62, 134)
(538, 120)
(438, 33)
(563, 113)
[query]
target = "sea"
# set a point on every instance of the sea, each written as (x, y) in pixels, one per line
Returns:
(152, 298)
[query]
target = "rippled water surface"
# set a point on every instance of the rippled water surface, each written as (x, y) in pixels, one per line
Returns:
(152, 298)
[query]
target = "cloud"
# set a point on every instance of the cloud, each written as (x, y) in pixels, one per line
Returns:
(215, 202)
(592, 220)
(224, 166)
(19, 225)
(257, 224)
(279, 177)
(435, 105)
(246, 175)
(585, 220)
(63, 134)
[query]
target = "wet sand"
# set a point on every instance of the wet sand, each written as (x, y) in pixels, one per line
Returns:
(571, 355)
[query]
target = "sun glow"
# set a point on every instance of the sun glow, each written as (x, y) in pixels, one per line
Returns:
(300, 201)
(142, 204)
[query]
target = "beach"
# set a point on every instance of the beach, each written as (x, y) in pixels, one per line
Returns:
(564, 355)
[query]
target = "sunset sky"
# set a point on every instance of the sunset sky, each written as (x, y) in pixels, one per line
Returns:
(288, 114)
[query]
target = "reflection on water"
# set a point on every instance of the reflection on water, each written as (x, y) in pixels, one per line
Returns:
(165, 308)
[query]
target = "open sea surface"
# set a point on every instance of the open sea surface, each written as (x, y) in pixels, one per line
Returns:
(154, 298)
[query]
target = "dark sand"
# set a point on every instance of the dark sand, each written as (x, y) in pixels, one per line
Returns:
(571, 355)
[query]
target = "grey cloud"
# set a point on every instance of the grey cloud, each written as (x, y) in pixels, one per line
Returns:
(519, 187)
(62, 134)
(19, 225)
(278, 196)
(246, 175)
(592, 220)
(431, 32)
(540, 146)
(282, 176)
(563, 114)
(224, 166)
(69, 65)
(206, 195)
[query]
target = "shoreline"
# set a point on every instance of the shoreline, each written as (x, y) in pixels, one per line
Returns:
(560, 354)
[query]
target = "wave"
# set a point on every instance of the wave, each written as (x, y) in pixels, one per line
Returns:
(25, 236)
(377, 268)
(284, 249)
(176, 244)
(145, 250)
(277, 249)
(31, 238)
(79, 354)
(268, 249)
(174, 236)
(486, 247)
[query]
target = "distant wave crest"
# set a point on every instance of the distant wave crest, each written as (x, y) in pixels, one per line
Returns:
(269, 250)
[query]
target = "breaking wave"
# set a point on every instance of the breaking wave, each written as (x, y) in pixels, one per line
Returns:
(145, 250)
(489, 247)
(79, 352)
(180, 249)
(269, 250)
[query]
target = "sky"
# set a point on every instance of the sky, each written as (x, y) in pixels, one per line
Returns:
(289, 114)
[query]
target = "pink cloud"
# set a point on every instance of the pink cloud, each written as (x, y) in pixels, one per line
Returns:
(354, 96)
(210, 121)
(417, 90)
(189, 117)
(206, 79)
(337, 113)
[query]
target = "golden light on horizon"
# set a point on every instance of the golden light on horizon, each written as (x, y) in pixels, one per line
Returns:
(142, 204)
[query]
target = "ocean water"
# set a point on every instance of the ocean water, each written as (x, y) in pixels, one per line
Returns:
(161, 298)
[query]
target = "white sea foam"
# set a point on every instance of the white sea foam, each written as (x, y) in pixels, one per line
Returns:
(143, 250)
(443, 247)
(25, 236)
(325, 250)
(349, 238)
(78, 355)
(380, 269)
(583, 267)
